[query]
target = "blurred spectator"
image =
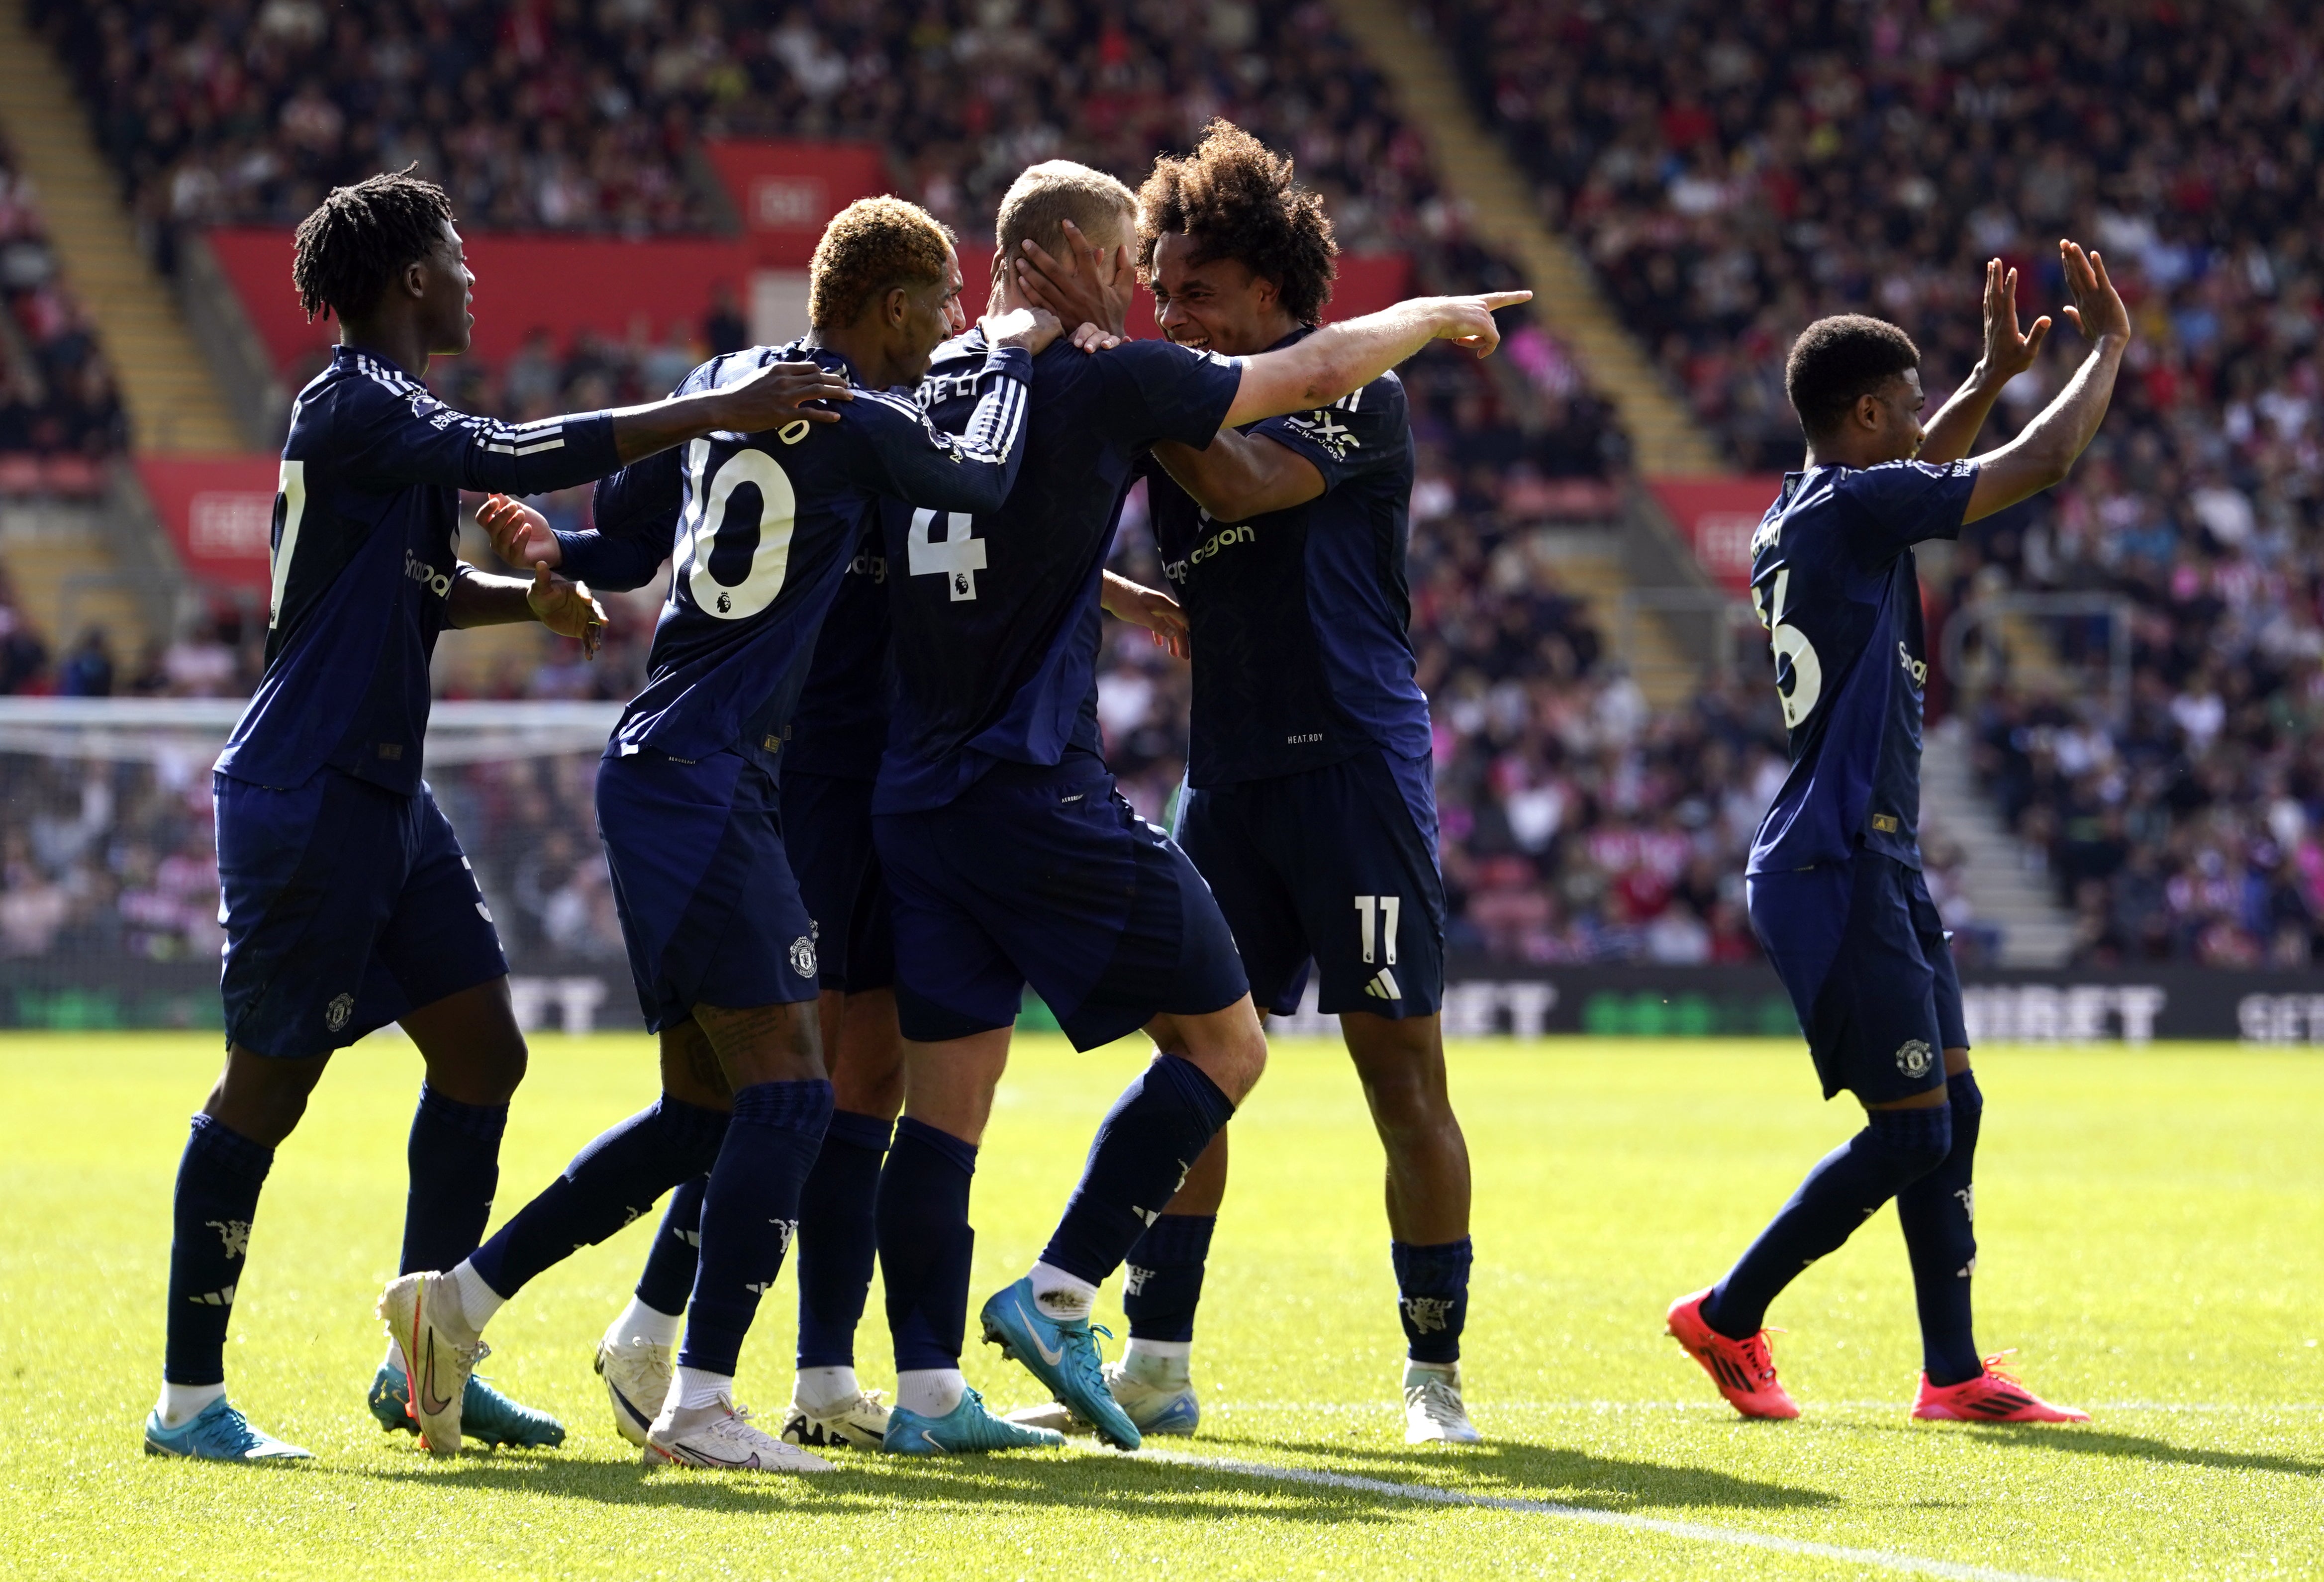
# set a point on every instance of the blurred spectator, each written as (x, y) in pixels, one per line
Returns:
(88, 669)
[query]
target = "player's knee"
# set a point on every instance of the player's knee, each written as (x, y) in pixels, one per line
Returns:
(1912, 1142)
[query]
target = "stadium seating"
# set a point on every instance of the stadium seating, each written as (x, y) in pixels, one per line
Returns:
(59, 412)
(1736, 172)
(1577, 823)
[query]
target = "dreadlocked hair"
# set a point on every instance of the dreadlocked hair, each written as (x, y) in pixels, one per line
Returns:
(1237, 200)
(360, 238)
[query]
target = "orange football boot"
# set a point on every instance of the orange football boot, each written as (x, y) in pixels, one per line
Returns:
(1744, 1370)
(1993, 1396)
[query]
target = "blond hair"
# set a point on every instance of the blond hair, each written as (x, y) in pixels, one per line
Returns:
(869, 248)
(1043, 197)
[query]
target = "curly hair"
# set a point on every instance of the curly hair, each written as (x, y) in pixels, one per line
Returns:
(360, 238)
(1839, 359)
(869, 248)
(1237, 200)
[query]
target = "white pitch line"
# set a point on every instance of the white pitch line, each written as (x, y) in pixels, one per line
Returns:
(1363, 1407)
(1700, 1532)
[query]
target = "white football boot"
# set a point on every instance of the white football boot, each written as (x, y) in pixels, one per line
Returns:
(636, 1372)
(862, 1423)
(422, 1312)
(720, 1435)
(1432, 1412)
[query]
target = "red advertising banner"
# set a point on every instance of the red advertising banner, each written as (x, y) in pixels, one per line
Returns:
(218, 511)
(1718, 517)
(563, 284)
(786, 192)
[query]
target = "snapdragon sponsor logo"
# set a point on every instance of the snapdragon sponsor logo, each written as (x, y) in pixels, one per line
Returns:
(2062, 1013)
(1226, 538)
(438, 583)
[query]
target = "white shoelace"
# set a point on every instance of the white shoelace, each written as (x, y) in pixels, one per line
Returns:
(1437, 1400)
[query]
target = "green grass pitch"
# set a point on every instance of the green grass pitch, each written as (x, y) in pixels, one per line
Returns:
(2153, 1229)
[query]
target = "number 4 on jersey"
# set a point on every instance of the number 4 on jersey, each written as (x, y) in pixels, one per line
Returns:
(956, 557)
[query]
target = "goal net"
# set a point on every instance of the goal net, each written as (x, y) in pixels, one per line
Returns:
(108, 869)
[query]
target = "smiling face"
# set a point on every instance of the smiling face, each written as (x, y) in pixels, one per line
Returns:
(444, 287)
(1892, 418)
(922, 318)
(1213, 304)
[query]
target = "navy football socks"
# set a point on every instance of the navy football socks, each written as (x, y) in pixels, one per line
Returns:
(750, 1213)
(1432, 1292)
(838, 1233)
(1162, 1282)
(1938, 1213)
(455, 1155)
(617, 1177)
(1895, 1148)
(670, 1262)
(218, 1181)
(1145, 1146)
(926, 1244)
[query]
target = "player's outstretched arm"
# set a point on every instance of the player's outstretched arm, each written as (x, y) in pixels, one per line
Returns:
(1149, 608)
(2045, 452)
(773, 397)
(567, 608)
(908, 458)
(1342, 357)
(1239, 476)
(2009, 351)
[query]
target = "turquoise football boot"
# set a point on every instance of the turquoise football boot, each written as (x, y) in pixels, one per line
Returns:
(1062, 1355)
(217, 1433)
(966, 1426)
(487, 1417)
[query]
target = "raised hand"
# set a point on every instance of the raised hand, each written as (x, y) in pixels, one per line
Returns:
(776, 397)
(2009, 351)
(1089, 287)
(567, 608)
(2097, 310)
(1032, 329)
(1467, 321)
(521, 535)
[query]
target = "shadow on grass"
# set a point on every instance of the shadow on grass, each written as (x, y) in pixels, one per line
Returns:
(1129, 1485)
(2076, 1440)
(2140, 1447)
(1539, 1472)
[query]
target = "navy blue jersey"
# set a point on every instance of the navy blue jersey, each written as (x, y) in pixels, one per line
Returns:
(842, 722)
(1298, 617)
(759, 529)
(1833, 581)
(366, 550)
(996, 613)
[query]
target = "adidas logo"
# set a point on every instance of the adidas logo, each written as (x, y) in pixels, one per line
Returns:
(1384, 986)
(221, 1298)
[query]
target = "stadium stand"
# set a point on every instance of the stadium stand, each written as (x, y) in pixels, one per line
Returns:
(59, 410)
(1578, 823)
(1734, 171)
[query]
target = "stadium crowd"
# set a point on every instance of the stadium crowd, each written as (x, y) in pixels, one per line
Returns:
(1734, 171)
(59, 409)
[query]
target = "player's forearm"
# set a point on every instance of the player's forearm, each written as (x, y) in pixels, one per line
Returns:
(477, 598)
(610, 561)
(1335, 361)
(2046, 451)
(1118, 597)
(1955, 428)
(1241, 475)
(639, 431)
(988, 450)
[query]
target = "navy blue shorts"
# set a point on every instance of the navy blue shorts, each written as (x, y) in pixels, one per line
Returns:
(1862, 951)
(827, 829)
(709, 910)
(1336, 866)
(1046, 875)
(345, 906)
